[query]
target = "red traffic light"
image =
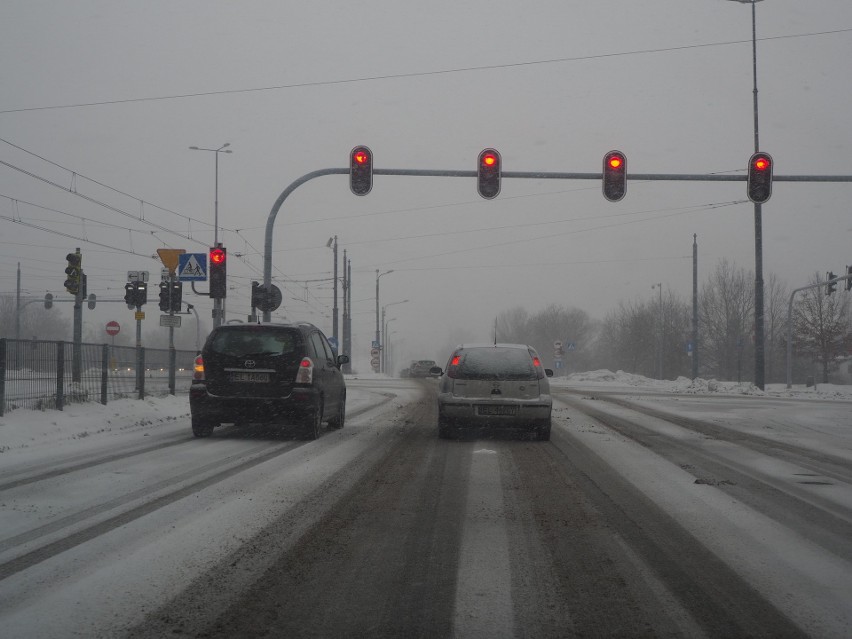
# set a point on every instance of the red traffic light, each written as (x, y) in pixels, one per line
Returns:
(614, 176)
(217, 256)
(759, 177)
(361, 170)
(488, 173)
(761, 163)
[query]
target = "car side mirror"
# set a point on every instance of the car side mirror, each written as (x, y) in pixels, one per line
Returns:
(342, 359)
(548, 372)
(436, 371)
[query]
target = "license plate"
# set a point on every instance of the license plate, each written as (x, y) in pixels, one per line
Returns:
(497, 410)
(249, 377)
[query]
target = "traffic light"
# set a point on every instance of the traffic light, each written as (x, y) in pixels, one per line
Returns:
(218, 271)
(488, 173)
(164, 296)
(130, 294)
(614, 176)
(849, 278)
(74, 272)
(141, 293)
(93, 300)
(759, 177)
(830, 287)
(48, 300)
(360, 170)
(177, 296)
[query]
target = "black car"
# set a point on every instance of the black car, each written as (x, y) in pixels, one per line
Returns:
(272, 373)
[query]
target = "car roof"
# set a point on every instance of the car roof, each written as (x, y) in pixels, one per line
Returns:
(301, 325)
(498, 345)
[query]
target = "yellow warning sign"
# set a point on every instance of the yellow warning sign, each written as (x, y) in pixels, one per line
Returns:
(170, 258)
(140, 315)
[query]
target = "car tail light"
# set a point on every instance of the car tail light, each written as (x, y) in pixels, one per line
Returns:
(539, 371)
(305, 375)
(453, 368)
(198, 369)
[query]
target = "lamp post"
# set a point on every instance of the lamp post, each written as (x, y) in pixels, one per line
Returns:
(659, 285)
(378, 335)
(759, 354)
(332, 244)
(217, 303)
(382, 359)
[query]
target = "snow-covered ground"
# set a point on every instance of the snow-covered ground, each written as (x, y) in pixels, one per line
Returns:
(84, 425)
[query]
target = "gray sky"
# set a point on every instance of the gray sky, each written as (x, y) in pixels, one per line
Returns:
(293, 86)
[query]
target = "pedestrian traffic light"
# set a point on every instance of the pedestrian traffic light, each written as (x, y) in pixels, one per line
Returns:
(830, 287)
(164, 296)
(177, 296)
(130, 294)
(759, 177)
(488, 173)
(73, 272)
(218, 271)
(614, 176)
(141, 293)
(361, 170)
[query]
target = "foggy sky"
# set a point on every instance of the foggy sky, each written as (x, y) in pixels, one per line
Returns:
(293, 86)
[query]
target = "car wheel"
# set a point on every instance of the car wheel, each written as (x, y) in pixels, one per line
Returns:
(311, 422)
(543, 432)
(202, 428)
(445, 429)
(339, 419)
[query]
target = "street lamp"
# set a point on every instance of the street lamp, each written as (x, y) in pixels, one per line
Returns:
(659, 285)
(332, 244)
(384, 333)
(759, 356)
(217, 302)
(383, 358)
(378, 336)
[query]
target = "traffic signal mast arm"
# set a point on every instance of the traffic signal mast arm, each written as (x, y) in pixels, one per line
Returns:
(536, 175)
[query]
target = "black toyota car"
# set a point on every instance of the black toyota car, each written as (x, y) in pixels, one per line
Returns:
(271, 373)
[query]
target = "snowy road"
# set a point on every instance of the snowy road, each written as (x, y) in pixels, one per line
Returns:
(645, 515)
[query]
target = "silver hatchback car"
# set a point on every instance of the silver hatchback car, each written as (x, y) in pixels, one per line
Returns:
(490, 387)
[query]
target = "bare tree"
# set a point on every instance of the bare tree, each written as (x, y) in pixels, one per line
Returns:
(820, 323)
(726, 310)
(775, 333)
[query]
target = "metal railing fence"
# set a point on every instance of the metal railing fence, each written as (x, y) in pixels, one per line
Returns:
(40, 374)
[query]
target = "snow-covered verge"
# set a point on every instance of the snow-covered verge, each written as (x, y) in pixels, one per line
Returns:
(607, 379)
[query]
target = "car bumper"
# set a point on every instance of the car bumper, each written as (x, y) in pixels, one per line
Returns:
(468, 412)
(228, 409)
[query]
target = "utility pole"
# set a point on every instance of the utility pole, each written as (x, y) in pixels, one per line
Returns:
(694, 305)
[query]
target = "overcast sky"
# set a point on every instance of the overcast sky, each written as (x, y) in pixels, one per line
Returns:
(293, 86)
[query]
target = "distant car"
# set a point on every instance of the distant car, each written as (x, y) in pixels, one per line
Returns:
(404, 372)
(268, 373)
(490, 387)
(421, 368)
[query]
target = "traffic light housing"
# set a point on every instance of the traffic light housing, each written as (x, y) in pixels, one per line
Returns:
(760, 177)
(92, 301)
(141, 293)
(177, 296)
(130, 294)
(830, 287)
(74, 272)
(164, 296)
(849, 278)
(614, 176)
(361, 170)
(218, 264)
(48, 300)
(488, 173)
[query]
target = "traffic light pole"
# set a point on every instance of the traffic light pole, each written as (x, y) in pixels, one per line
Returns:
(544, 175)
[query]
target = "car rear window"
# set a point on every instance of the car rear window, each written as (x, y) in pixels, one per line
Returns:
(496, 363)
(241, 343)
